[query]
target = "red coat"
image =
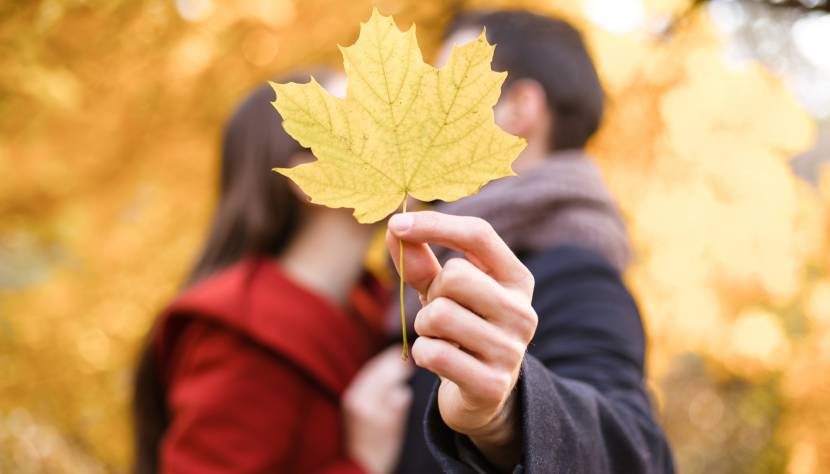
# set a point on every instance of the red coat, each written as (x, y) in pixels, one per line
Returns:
(254, 366)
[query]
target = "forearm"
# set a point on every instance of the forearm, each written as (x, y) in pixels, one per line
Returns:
(574, 427)
(563, 426)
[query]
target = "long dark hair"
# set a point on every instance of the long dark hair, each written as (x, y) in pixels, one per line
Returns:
(257, 214)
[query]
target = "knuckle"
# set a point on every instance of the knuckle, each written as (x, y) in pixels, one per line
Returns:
(514, 305)
(422, 320)
(432, 316)
(483, 226)
(528, 281)
(526, 329)
(453, 272)
(531, 321)
(516, 351)
(436, 357)
(422, 352)
(438, 285)
(417, 351)
(439, 308)
(497, 387)
(481, 231)
(511, 347)
(505, 383)
(510, 352)
(454, 264)
(524, 316)
(524, 281)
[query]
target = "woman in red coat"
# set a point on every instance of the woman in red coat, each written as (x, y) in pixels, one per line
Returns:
(245, 371)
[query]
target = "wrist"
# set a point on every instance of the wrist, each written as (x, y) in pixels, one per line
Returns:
(500, 441)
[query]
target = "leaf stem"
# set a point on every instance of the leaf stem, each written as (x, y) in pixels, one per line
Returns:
(405, 351)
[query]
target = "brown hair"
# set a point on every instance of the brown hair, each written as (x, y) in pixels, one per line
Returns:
(551, 52)
(257, 214)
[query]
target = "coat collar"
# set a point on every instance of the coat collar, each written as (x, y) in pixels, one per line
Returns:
(258, 300)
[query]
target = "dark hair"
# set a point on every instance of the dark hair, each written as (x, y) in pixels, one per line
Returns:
(551, 52)
(257, 214)
(257, 211)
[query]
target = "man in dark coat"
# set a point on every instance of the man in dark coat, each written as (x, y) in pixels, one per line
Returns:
(569, 397)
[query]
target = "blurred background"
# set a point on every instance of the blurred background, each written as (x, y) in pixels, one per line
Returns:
(716, 143)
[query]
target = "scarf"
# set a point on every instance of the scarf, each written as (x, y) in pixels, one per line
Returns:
(563, 200)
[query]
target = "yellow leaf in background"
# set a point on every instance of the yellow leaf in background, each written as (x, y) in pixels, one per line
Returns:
(404, 128)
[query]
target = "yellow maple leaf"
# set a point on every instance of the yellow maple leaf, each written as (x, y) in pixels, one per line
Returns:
(404, 127)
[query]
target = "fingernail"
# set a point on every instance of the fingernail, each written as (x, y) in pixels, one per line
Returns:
(400, 223)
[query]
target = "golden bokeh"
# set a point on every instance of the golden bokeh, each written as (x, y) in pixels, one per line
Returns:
(110, 119)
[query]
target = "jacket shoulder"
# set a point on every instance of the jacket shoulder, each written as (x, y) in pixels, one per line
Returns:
(255, 300)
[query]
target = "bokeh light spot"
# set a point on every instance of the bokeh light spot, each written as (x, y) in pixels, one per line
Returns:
(260, 47)
(616, 16)
(194, 10)
(757, 335)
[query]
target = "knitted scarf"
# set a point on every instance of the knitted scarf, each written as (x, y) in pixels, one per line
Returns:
(561, 201)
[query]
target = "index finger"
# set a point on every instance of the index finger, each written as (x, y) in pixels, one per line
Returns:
(473, 236)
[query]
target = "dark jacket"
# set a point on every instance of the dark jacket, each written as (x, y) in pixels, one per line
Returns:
(583, 402)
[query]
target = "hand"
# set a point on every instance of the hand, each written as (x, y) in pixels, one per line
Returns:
(474, 327)
(375, 408)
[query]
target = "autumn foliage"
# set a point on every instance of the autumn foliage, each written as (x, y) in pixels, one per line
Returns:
(110, 119)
